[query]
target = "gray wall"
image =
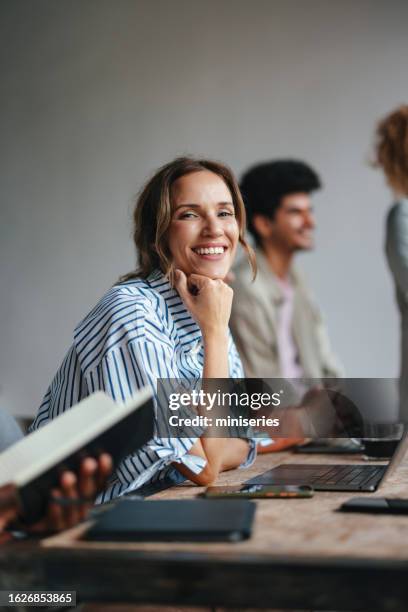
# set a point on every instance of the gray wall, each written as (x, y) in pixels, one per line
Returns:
(96, 94)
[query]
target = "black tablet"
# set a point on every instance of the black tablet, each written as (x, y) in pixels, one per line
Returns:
(196, 520)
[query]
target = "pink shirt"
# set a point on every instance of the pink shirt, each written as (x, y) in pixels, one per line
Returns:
(288, 353)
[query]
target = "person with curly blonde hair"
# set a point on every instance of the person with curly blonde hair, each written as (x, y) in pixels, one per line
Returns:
(391, 154)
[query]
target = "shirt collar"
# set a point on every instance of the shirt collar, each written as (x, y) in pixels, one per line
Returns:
(267, 272)
(160, 283)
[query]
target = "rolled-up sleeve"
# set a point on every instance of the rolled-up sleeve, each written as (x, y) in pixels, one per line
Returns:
(252, 453)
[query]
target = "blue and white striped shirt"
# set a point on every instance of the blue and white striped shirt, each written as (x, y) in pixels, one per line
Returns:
(139, 331)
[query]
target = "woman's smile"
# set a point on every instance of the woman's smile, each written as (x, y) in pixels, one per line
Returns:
(211, 251)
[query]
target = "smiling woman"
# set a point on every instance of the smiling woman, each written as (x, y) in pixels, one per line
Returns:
(194, 186)
(168, 319)
(204, 232)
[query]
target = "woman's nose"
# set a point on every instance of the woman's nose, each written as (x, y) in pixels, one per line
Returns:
(212, 227)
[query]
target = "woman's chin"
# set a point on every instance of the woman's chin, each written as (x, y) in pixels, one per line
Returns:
(213, 272)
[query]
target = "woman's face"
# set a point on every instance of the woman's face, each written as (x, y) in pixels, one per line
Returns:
(203, 233)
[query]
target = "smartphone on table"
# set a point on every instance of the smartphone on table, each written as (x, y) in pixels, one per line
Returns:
(258, 491)
(375, 505)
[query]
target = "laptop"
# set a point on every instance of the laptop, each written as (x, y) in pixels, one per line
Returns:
(334, 477)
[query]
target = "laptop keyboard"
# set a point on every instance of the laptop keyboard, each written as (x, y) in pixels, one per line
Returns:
(357, 475)
(324, 477)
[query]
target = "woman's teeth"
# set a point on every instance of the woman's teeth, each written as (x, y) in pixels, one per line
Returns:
(210, 251)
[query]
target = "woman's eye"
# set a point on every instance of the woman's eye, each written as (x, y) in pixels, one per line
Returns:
(226, 213)
(187, 215)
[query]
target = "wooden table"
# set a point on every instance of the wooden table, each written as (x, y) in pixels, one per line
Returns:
(302, 555)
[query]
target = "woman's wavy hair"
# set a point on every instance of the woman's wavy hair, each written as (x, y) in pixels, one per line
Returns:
(391, 150)
(153, 213)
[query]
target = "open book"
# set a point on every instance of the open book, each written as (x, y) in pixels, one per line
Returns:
(95, 425)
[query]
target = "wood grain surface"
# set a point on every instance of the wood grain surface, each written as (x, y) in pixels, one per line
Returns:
(291, 527)
(303, 555)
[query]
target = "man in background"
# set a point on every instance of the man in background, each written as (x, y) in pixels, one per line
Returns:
(275, 321)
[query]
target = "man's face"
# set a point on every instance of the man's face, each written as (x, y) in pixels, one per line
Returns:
(292, 225)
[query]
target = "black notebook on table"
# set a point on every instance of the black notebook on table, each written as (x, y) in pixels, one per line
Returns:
(175, 521)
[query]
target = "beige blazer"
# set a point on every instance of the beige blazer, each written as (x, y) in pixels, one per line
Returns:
(254, 321)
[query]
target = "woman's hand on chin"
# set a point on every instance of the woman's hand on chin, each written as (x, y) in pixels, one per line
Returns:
(209, 301)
